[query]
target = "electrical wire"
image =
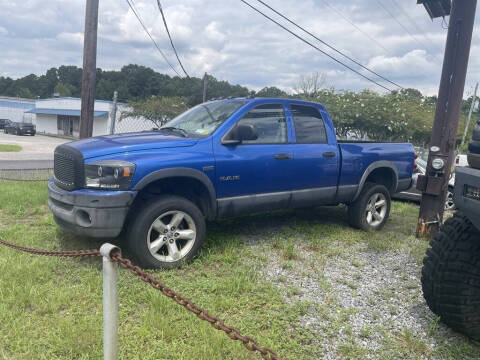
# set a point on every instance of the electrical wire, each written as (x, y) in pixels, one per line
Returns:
(313, 46)
(407, 16)
(132, 7)
(328, 45)
(400, 23)
(354, 25)
(168, 33)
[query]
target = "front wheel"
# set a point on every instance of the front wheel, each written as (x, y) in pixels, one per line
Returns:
(372, 208)
(166, 231)
(451, 275)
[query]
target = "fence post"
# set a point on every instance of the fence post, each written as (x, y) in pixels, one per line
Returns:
(110, 303)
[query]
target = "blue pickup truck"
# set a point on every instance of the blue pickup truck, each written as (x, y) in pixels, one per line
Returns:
(219, 159)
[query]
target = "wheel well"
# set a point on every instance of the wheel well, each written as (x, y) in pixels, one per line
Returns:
(187, 187)
(384, 176)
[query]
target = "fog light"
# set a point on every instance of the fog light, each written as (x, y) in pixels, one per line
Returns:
(438, 164)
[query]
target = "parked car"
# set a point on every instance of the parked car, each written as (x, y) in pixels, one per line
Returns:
(19, 128)
(221, 158)
(413, 194)
(451, 271)
(4, 122)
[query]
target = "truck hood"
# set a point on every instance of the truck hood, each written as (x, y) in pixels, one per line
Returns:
(114, 144)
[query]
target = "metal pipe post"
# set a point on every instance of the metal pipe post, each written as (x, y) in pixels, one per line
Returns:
(110, 303)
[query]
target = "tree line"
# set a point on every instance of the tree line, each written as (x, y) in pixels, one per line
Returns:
(133, 82)
(404, 115)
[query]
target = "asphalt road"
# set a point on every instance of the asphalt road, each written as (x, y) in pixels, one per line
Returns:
(26, 164)
(36, 153)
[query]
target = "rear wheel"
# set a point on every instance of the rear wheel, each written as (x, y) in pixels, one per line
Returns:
(166, 231)
(449, 203)
(372, 208)
(451, 275)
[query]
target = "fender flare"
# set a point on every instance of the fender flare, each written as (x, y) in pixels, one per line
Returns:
(373, 166)
(186, 173)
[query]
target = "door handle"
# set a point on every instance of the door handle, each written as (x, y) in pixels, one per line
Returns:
(282, 156)
(329, 154)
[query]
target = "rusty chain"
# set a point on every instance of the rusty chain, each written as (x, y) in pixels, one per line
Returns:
(234, 334)
(70, 253)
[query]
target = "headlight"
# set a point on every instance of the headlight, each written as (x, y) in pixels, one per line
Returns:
(438, 164)
(109, 174)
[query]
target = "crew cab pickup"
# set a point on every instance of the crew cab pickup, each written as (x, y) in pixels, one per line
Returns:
(221, 158)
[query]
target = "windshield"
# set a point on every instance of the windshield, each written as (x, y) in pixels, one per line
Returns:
(202, 120)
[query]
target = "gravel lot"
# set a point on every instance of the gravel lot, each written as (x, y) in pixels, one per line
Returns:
(38, 147)
(360, 293)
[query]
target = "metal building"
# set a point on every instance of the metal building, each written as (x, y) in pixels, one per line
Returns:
(15, 109)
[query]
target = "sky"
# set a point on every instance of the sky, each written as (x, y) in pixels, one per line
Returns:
(232, 42)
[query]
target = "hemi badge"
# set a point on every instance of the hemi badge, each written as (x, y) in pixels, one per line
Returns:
(208, 168)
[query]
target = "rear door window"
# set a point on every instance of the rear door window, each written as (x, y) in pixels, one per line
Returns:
(309, 125)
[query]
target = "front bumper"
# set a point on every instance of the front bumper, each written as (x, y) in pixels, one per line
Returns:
(92, 213)
(466, 176)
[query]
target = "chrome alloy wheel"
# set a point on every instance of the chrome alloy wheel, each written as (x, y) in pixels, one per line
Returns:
(449, 204)
(171, 236)
(376, 209)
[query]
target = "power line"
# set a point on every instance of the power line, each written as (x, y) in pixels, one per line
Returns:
(150, 36)
(355, 26)
(407, 16)
(313, 46)
(328, 45)
(400, 23)
(168, 33)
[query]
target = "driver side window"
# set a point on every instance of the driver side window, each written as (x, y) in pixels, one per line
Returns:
(269, 119)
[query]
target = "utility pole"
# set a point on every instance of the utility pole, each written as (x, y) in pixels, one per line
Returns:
(472, 106)
(205, 80)
(434, 183)
(114, 113)
(89, 69)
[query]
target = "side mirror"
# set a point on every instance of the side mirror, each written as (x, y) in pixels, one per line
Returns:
(239, 133)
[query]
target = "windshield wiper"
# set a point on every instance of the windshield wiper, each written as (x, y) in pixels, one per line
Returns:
(182, 132)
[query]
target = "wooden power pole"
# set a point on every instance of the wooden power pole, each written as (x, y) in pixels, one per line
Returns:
(89, 69)
(434, 183)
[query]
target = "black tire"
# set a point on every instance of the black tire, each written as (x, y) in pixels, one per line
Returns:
(474, 147)
(139, 226)
(451, 275)
(474, 160)
(357, 211)
(476, 132)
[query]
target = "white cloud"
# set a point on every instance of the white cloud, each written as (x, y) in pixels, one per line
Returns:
(231, 41)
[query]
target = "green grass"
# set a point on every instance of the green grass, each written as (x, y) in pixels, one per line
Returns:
(10, 148)
(51, 308)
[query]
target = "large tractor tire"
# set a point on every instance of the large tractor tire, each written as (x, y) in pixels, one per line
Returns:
(451, 275)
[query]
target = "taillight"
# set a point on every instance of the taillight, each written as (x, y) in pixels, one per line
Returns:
(415, 157)
(457, 160)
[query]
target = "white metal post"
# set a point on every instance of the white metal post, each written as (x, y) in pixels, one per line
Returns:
(110, 303)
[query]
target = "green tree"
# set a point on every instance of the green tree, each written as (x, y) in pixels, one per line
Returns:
(158, 110)
(64, 89)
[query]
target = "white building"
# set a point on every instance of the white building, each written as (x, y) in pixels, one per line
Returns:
(15, 109)
(61, 116)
